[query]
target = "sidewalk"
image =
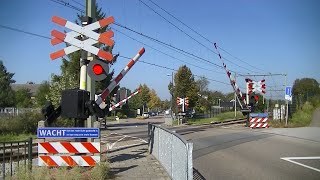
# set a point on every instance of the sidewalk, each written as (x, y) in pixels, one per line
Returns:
(129, 158)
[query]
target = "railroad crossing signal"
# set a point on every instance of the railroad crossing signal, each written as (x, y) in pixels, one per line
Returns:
(178, 101)
(98, 70)
(186, 101)
(77, 44)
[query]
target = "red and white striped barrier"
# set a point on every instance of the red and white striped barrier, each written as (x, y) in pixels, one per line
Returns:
(259, 122)
(123, 101)
(116, 80)
(65, 149)
(233, 82)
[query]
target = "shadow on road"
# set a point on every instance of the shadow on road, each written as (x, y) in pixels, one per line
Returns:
(197, 175)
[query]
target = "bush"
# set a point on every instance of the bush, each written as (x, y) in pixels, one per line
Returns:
(24, 123)
(121, 115)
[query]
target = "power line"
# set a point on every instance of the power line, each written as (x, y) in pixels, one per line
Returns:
(45, 37)
(66, 4)
(199, 33)
(165, 53)
(166, 44)
(164, 67)
(78, 3)
(25, 32)
(188, 34)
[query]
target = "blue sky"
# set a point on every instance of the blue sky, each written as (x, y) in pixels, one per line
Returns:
(273, 36)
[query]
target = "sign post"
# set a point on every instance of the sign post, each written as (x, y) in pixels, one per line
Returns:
(288, 97)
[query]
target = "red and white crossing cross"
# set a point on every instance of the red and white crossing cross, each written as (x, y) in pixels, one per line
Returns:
(76, 44)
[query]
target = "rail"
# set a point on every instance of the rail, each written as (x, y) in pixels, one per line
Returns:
(172, 151)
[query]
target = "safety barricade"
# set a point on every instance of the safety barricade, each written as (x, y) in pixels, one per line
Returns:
(54, 154)
(259, 120)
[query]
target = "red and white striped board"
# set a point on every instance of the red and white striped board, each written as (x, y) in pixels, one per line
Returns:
(117, 80)
(259, 125)
(68, 147)
(258, 119)
(65, 151)
(55, 161)
(259, 122)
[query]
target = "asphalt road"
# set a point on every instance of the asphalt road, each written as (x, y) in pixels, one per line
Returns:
(236, 152)
(242, 153)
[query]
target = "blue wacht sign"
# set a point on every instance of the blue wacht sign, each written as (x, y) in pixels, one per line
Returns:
(68, 133)
(258, 114)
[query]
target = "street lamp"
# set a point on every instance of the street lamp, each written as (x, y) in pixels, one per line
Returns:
(172, 99)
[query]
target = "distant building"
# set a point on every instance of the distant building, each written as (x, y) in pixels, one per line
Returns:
(31, 86)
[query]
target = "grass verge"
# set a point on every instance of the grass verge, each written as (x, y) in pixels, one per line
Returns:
(98, 172)
(15, 137)
(220, 117)
(301, 118)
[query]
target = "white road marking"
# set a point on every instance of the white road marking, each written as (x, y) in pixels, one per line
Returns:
(111, 146)
(290, 159)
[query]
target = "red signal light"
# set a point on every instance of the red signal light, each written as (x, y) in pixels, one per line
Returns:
(97, 69)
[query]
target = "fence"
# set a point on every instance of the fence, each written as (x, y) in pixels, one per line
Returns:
(172, 151)
(13, 154)
(11, 111)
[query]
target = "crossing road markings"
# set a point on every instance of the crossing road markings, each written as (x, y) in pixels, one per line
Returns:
(290, 159)
(112, 145)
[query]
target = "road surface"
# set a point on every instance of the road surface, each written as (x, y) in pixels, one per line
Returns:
(237, 152)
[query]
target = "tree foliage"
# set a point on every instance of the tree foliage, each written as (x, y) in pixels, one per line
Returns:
(42, 93)
(305, 89)
(185, 85)
(23, 98)
(155, 102)
(142, 98)
(6, 93)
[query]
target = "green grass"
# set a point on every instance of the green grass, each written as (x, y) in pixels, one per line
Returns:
(99, 172)
(301, 118)
(220, 117)
(14, 137)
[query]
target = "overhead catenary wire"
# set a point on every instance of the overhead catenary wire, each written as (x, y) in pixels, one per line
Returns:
(209, 49)
(66, 4)
(22, 31)
(165, 44)
(164, 67)
(165, 53)
(199, 34)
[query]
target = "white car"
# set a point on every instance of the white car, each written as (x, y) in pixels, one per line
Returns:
(146, 114)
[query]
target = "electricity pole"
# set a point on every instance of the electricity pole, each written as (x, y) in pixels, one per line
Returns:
(90, 84)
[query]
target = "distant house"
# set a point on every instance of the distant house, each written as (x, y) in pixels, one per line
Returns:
(31, 86)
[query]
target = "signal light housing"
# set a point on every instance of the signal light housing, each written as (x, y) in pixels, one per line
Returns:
(186, 101)
(98, 69)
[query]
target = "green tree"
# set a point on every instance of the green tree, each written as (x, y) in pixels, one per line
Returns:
(6, 93)
(70, 70)
(155, 102)
(185, 85)
(141, 99)
(42, 93)
(165, 104)
(23, 98)
(305, 89)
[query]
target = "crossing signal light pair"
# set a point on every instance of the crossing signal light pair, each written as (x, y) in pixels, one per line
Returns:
(186, 101)
(98, 69)
(178, 100)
